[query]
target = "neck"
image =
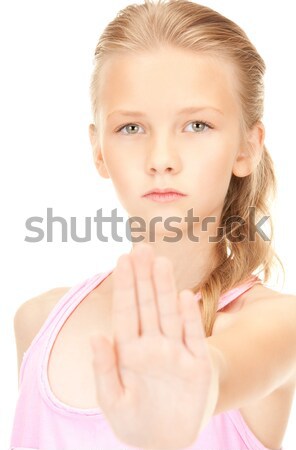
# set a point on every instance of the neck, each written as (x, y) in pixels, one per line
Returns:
(192, 261)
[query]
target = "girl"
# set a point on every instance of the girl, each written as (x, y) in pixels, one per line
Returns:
(181, 345)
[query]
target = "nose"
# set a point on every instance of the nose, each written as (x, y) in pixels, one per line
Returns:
(163, 158)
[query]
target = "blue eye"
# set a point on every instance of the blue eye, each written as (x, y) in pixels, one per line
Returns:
(133, 127)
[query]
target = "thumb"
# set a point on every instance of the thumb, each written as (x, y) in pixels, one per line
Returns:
(108, 385)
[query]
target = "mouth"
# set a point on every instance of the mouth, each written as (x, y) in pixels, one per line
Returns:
(163, 195)
(167, 190)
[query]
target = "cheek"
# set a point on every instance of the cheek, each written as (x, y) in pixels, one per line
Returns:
(210, 177)
(211, 165)
(125, 176)
(116, 166)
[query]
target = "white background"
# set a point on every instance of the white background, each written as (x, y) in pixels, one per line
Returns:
(46, 161)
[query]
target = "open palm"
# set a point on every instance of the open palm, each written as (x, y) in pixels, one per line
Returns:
(153, 381)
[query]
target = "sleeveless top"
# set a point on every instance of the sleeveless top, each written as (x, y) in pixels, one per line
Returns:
(43, 422)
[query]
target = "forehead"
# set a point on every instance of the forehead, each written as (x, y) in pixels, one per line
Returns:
(168, 77)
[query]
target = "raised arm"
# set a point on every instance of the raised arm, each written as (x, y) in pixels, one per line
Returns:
(257, 353)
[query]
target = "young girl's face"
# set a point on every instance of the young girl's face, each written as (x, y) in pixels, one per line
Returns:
(165, 146)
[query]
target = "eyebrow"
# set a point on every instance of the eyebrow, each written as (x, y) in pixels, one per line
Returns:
(189, 109)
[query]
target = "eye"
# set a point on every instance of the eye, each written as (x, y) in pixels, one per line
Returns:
(200, 126)
(129, 126)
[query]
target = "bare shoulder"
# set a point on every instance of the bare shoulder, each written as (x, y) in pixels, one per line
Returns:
(274, 311)
(260, 292)
(283, 309)
(30, 316)
(258, 295)
(262, 296)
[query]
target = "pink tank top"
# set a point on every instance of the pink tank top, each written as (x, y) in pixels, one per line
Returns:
(43, 422)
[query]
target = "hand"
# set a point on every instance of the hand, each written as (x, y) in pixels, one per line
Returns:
(154, 380)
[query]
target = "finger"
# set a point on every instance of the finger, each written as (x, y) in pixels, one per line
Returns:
(193, 330)
(108, 384)
(125, 321)
(142, 259)
(167, 298)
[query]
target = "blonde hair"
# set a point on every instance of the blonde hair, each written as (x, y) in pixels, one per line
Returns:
(187, 25)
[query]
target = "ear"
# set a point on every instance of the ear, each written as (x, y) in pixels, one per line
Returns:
(249, 156)
(97, 153)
